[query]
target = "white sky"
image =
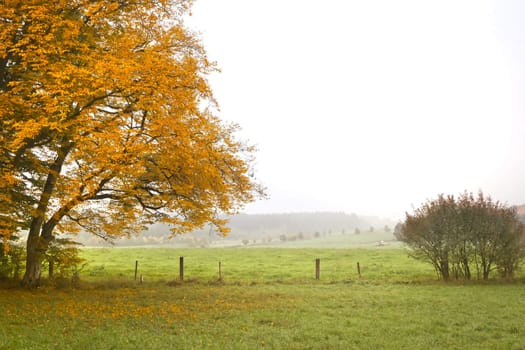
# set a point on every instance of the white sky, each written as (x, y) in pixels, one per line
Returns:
(372, 107)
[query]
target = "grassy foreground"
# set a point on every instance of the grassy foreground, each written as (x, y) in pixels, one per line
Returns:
(396, 304)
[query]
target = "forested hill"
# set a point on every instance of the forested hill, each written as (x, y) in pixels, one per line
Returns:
(256, 224)
(259, 226)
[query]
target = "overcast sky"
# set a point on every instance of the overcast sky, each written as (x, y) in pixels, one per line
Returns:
(372, 107)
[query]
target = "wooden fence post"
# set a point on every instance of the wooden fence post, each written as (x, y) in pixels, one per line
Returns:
(136, 268)
(317, 268)
(51, 268)
(181, 268)
(358, 269)
(220, 270)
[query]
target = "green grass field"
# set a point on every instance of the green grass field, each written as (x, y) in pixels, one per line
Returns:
(269, 299)
(253, 265)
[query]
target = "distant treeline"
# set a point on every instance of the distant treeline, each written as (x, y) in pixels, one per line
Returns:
(258, 226)
(322, 222)
(264, 226)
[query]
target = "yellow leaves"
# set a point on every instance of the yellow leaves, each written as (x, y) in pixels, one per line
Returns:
(160, 306)
(125, 87)
(5, 234)
(93, 8)
(96, 306)
(24, 130)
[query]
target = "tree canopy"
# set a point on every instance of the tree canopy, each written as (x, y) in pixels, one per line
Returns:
(465, 236)
(107, 123)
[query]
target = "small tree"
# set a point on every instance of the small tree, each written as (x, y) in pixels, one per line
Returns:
(510, 243)
(458, 236)
(12, 258)
(63, 257)
(424, 232)
(398, 231)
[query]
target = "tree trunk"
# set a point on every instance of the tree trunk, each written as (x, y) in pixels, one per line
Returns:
(486, 271)
(35, 256)
(32, 275)
(36, 249)
(468, 274)
(444, 268)
(40, 233)
(51, 268)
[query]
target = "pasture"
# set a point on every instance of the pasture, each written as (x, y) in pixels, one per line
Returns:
(268, 299)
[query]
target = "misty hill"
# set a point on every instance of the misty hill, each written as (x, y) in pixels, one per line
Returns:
(257, 225)
(273, 226)
(262, 226)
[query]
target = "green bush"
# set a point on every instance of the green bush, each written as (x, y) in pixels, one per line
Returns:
(62, 259)
(12, 259)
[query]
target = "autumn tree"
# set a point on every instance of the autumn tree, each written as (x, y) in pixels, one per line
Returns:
(63, 256)
(107, 124)
(465, 236)
(12, 257)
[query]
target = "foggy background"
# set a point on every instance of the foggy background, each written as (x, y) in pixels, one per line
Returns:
(372, 107)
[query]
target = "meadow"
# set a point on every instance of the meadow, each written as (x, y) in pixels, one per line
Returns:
(268, 299)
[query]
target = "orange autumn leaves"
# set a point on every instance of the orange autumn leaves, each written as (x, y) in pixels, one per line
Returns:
(96, 307)
(107, 123)
(93, 308)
